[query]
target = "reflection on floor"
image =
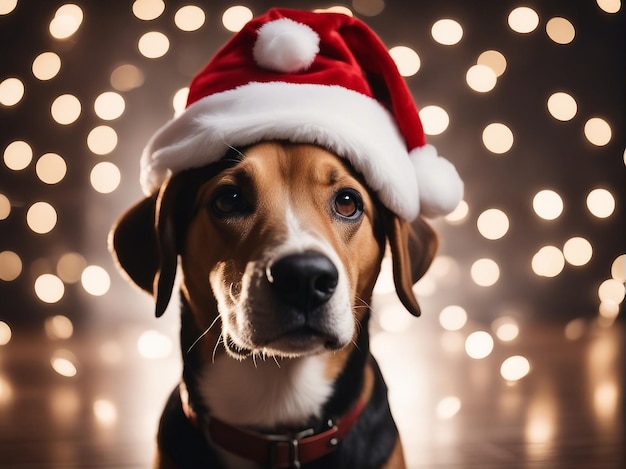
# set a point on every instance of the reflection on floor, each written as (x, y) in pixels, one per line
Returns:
(94, 400)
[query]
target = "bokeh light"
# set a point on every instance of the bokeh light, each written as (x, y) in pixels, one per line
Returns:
(18, 155)
(618, 268)
(485, 272)
(547, 204)
(523, 20)
(102, 140)
(109, 105)
(562, 106)
(515, 368)
(493, 59)
(105, 412)
(64, 363)
(598, 131)
(459, 214)
(49, 288)
(493, 224)
(11, 91)
(41, 217)
(126, 77)
(601, 203)
(481, 78)
(235, 17)
(577, 251)
(5, 207)
(189, 18)
(368, 7)
(448, 407)
(105, 177)
(434, 119)
(10, 266)
(95, 280)
(5, 333)
(548, 262)
(65, 109)
(612, 290)
(453, 318)
(505, 328)
(59, 327)
(153, 45)
(51, 168)
(497, 138)
(70, 267)
(180, 100)
(406, 59)
(447, 32)
(560, 30)
(154, 345)
(46, 66)
(148, 10)
(479, 344)
(7, 6)
(609, 6)
(66, 21)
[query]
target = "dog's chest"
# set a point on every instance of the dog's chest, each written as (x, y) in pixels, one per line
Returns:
(265, 393)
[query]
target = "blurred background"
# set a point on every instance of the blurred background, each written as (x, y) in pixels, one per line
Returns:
(518, 358)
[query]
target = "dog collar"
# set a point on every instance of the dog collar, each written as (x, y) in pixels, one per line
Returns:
(289, 450)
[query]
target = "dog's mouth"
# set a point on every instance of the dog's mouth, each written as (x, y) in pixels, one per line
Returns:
(299, 341)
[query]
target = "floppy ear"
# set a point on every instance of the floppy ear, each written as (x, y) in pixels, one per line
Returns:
(144, 241)
(413, 247)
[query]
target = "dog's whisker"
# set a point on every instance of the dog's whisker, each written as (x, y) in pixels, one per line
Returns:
(276, 361)
(220, 339)
(203, 334)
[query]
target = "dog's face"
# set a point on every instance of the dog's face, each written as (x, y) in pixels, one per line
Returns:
(280, 243)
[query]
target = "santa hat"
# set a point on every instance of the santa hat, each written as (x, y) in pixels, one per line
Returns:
(322, 78)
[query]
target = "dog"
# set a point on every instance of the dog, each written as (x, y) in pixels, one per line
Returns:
(280, 245)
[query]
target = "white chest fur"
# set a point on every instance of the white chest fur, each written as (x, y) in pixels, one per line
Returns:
(265, 393)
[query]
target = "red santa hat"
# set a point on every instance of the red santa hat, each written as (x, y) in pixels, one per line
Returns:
(322, 78)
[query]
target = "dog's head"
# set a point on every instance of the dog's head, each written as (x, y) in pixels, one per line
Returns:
(280, 243)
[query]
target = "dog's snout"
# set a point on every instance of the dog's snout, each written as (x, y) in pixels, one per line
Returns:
(305, 280)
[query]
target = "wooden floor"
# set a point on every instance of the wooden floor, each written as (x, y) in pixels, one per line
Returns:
(453, 411)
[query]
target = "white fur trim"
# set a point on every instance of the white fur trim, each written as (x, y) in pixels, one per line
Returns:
(440, 187)
(283, 45)
(348, 123)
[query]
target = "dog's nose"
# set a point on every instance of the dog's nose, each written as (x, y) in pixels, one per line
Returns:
(305, 280)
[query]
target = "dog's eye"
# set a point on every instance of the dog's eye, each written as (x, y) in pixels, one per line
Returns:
(348, 204)
(229, 201)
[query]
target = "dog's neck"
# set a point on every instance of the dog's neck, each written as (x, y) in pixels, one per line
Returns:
(271, 395)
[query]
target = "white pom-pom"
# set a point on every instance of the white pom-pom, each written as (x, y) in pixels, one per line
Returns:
(440, 187)
(283, 45)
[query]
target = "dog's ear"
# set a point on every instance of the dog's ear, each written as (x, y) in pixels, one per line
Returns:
(145, 240)
(413, 247)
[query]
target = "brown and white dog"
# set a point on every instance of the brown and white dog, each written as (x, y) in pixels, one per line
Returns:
(280, 246)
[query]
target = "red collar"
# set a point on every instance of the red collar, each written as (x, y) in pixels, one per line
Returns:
(288, 450)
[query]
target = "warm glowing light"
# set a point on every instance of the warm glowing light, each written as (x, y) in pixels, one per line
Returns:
(577, 251)
(153, 45)
(148, 9)
(497, 138)
(609, 309)
(601, 203)
(70, 267)
(7, 6)
(102, 140)
(612, 290)
(609, 6)
(560, 30)
(406, 59)
(505, 328)
(154, 345)
(111, 352)
(479, 345)
(493, 224)
(548, 262)
(494, 60)
(126, 77)
(448, 407)
(18, 155)
(5, 333)
(234, 18)
(51, 168)
(46, 66)
(452, 318)
(548, 204)
(394, 319)
(109, 105)
(485, 272)
(368, 7)
(618, 268)
(598, 131)
(105, 412)
(95, 280)
(41, 217)
(59, 327)
(49, 288)
(180, 101)
(64, 363)
(515, 368)
(481, 78)
(434, 119)
(384, 283)
(5, 207)
(459, 214)
(575, 329)
(523, 20)
(105, 177)
(65, 109)
(335, 9)
(189, 18)
(11, 91)
(10, 266)
(562, 106)
(447, 32)
(66, 21)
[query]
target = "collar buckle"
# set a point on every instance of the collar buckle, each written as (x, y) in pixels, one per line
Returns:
(293, 441)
